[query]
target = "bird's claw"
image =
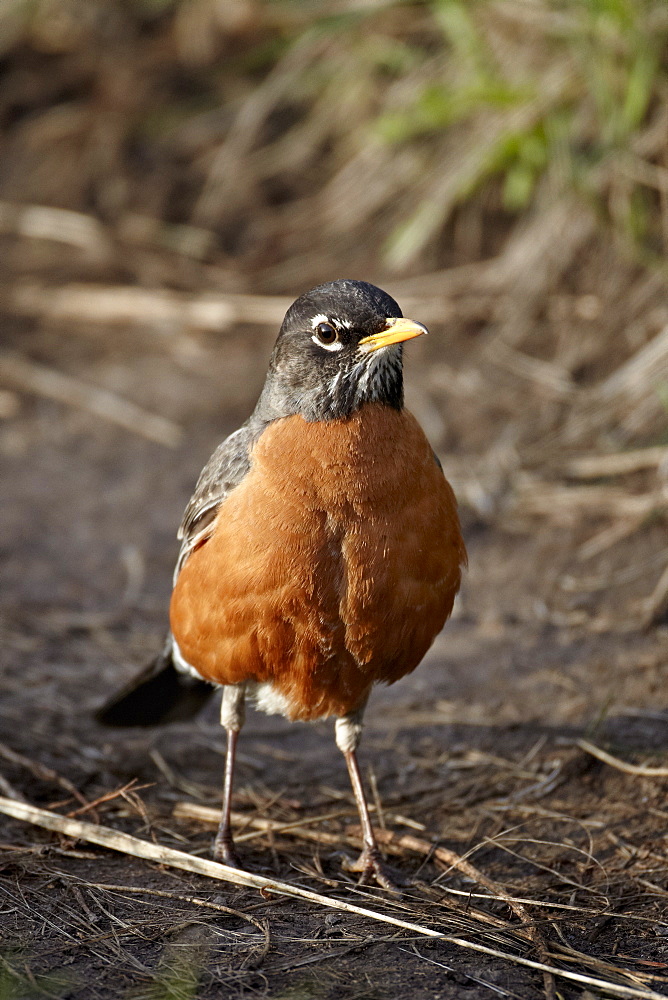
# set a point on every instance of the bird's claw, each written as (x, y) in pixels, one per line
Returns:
(370, 866)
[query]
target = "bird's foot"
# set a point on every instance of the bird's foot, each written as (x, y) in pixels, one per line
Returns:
(225, 852)
(370, 866)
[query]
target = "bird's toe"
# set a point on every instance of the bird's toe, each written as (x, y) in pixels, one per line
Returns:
(372, 868)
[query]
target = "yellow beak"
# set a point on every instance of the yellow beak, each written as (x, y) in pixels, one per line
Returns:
(396, 331)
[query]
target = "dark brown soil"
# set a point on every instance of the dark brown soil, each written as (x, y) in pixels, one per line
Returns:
(478, 747)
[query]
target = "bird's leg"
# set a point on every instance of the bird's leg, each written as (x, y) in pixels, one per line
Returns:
(232, 716)
(223, 846)
(369, 863)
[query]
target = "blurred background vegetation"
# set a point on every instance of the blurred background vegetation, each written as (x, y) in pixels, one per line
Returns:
(300, 138)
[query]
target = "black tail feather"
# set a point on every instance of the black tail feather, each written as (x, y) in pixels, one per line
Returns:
(159, 694)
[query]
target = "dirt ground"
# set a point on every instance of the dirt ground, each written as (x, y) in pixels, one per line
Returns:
(478, 751)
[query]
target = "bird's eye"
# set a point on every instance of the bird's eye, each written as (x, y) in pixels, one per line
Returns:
(326, 333)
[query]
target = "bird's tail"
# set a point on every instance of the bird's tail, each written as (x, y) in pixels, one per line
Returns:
(159, 693)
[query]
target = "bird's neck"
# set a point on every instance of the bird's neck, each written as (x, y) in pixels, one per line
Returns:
(377, 379)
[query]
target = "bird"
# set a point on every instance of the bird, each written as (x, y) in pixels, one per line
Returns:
(321, 551)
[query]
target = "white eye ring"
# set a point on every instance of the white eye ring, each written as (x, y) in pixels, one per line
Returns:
(323, 321)
(335, 346)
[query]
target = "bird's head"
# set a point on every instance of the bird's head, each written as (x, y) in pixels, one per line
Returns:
(339, 347)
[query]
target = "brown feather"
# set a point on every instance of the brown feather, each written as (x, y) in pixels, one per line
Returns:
(331, 566)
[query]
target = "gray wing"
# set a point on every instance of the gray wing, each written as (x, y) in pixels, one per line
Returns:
(225, 469)
(168, 689)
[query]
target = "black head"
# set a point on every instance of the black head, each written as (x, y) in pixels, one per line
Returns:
(339, 347)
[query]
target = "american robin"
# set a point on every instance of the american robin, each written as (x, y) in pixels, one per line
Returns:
(321, 551)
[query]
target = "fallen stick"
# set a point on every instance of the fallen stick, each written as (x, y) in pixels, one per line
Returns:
(642, 770)
(125, 843)
(560, 503)
(619, 463)
(260, 825)
(42, 222)
(158, 308)
(52, 384)
(656, 605)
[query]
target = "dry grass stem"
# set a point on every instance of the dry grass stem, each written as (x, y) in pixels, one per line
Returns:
(107, 797)
(656, 605)
(153, 308)
(621, 463)
(604, 581)
(140, 890)
(43, 773)
(562, 503)
(48, 382)
(60, 225)
(206, 814)
(7, 789)
(642, 770)
(627, 399)
(611, 535)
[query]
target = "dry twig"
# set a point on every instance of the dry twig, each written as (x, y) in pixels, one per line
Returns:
(155, 308)
(60, 225)
(642, 770)
(63, 388)
(656, 605)
(44, 773)
(140, 890)
(619, 463)
(6, 788)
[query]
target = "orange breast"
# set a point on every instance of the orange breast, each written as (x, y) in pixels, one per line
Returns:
(333, 565)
